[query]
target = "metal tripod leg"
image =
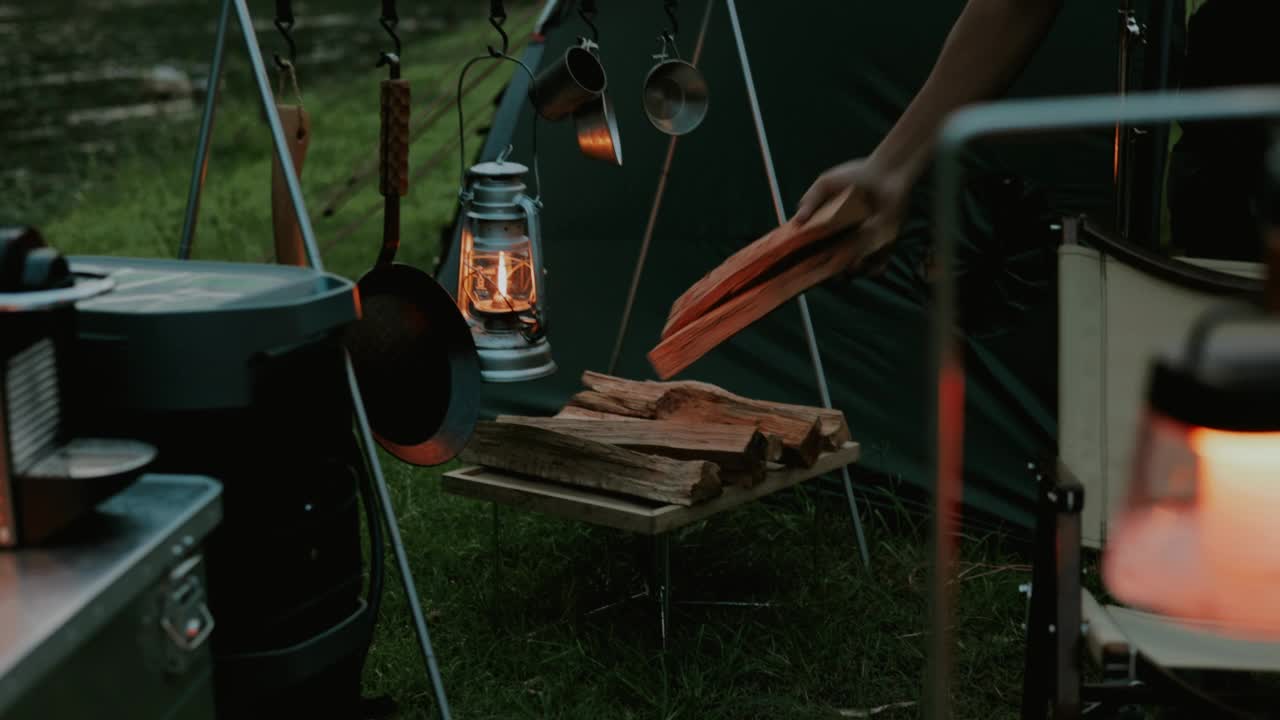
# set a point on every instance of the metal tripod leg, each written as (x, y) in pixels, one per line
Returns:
(806, 321)
(314, 260)
(277, 135)
(397, 545)
(206, 132)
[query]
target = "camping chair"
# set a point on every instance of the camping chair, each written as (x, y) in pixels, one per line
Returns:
(1118, 304)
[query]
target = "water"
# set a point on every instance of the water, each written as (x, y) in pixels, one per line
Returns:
(75, 73)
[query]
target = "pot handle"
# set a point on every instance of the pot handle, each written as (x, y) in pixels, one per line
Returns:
(532, 208)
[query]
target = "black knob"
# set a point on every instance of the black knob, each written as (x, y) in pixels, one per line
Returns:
(45, 269)
(15, 244)
(28, 264)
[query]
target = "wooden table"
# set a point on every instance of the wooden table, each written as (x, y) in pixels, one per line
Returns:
(631, 514)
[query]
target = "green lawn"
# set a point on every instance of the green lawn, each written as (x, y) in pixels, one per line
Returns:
(513, 636)
(515, 639)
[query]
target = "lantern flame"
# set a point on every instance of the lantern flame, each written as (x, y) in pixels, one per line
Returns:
(502, 273)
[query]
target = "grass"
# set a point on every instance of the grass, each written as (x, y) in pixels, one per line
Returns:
(513, 633)
(515, 638)
(133, 203)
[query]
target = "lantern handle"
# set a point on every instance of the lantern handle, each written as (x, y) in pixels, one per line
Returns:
(462, 134)
(1207, 324)
(538, 309)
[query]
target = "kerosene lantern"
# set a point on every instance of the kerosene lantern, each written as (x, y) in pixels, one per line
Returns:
(501, 281)
(1196, 537)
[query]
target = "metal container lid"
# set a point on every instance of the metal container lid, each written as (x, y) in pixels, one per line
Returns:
(85, 286)
(499, 169)
(35, 277)
(175, 335)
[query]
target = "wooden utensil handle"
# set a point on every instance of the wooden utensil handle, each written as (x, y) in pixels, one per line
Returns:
(284, 220)
(393, 153)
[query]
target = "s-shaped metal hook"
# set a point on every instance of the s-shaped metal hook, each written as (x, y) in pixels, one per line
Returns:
(587, 11)
(671, 7)
(389, 20)
(284, 23)
(498, 16)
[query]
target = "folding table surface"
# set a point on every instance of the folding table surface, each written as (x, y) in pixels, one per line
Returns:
(626, 513)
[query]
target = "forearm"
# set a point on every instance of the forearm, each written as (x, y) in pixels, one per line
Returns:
(986, 50)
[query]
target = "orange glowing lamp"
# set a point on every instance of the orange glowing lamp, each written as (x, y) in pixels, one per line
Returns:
(1198, 536)
(498, 282)
(501, 289)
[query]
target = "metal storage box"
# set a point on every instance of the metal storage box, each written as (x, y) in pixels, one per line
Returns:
(110, 621)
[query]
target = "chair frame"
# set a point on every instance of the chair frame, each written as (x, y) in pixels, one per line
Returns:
(1053, 678)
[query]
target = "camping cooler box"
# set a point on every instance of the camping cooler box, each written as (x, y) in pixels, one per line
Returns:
(237, 371)
(111, 621)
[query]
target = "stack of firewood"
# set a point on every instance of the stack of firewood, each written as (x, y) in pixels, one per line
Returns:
(671, 442)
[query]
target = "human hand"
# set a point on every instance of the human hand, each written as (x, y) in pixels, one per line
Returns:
(886, 189)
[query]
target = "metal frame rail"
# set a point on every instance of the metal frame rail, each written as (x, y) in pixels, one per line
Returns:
(965, 127)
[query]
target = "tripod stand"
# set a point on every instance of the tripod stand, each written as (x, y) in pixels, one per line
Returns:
(245, 22)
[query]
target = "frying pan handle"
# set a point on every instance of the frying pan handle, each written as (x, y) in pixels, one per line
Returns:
(532, 209)
(393, 161)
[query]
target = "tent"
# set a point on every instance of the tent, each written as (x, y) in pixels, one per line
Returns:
(831, 79)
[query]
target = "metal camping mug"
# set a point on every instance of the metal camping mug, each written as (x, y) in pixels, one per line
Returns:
(675, 93)
(577, 78)
(598, 131)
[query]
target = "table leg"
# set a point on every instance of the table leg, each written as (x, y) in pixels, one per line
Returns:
(497, 559)
(816, 537)
(662, 561)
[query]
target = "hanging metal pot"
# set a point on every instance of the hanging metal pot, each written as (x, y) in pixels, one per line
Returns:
(675, 93)
(412, 351)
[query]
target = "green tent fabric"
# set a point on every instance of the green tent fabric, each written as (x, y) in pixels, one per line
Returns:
(831, 79)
